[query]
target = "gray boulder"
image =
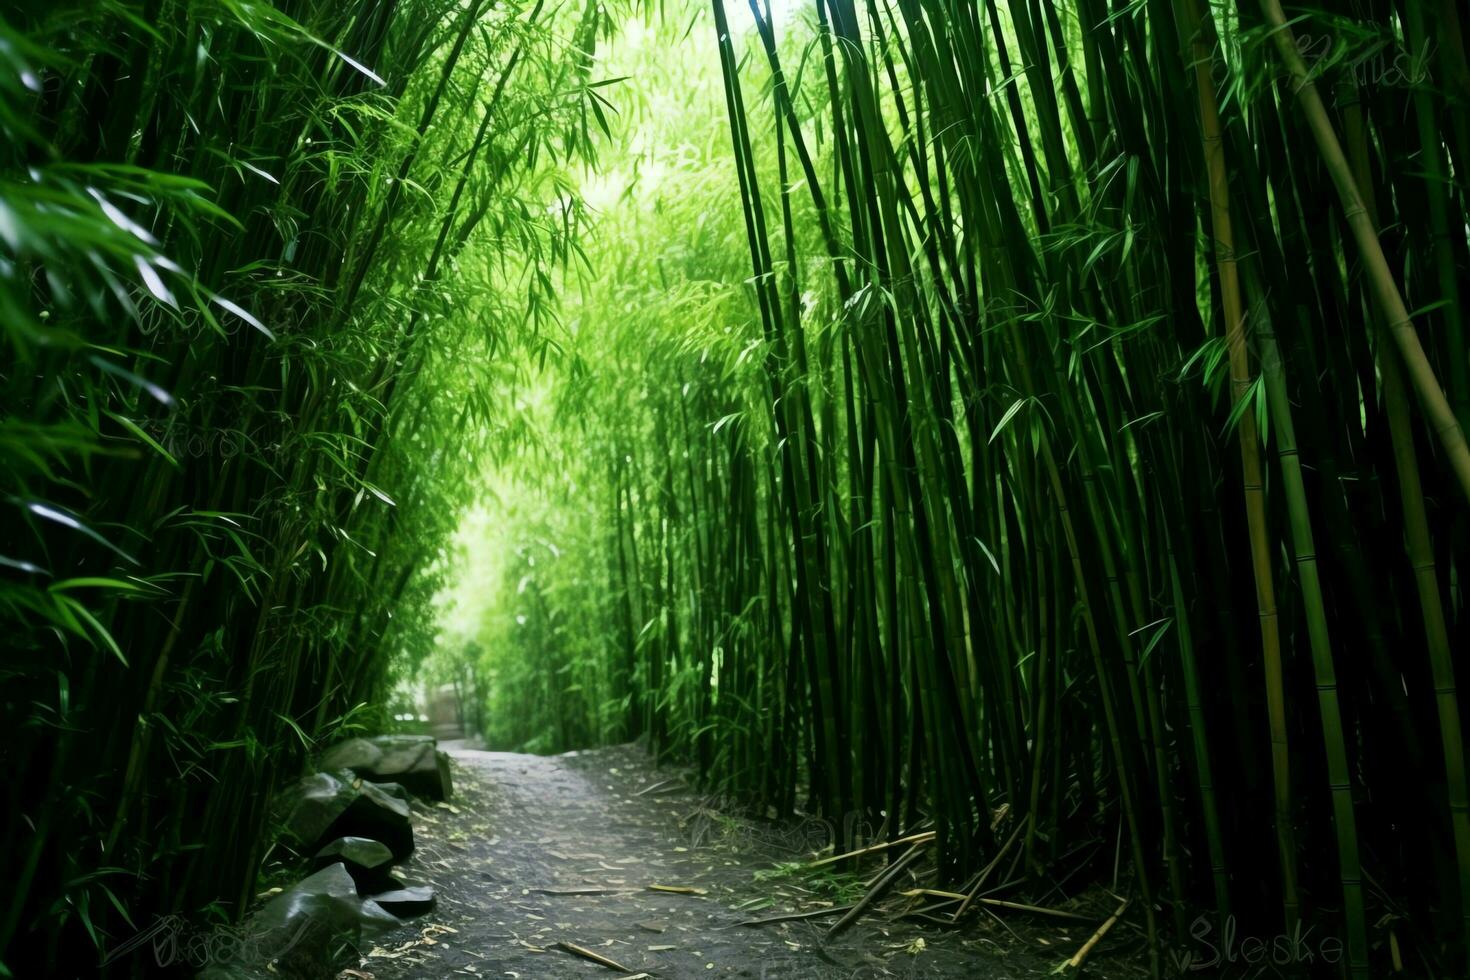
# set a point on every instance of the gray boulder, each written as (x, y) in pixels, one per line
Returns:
(395, 790)
(309, 929)
(368, 861)
(408, 900)
(411, 761)
(327, 805)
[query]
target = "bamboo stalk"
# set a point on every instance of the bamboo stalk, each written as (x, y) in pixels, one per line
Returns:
(1399, 323)
(1420, 551)
(1247, 438)
(1339, 774)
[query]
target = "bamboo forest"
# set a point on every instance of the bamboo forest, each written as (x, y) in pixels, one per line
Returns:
(734, 488)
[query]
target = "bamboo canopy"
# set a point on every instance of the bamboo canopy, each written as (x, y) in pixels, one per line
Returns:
(1028, 435)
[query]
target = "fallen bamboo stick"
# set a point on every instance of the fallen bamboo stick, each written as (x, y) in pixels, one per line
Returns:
(915, 839)
(1076, 961)
(676, 889)
(572, 891)
(795, 916)
(597, 958)
(959, 913)
(1037, 909)
(917, 892)
(930, 913)
(876, 892)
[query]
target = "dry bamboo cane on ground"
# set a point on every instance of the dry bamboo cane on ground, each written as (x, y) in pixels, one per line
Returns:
(1075, 963)
(989, 868)
(876, 892)
(914, 839)
(796, 916)
(597, 958)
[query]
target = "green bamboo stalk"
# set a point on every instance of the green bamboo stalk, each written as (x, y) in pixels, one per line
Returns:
(1240, 382)
(1379, 276)
(1339, 774)
(1420, 550)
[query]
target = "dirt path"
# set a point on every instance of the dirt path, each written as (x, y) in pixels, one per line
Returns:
(535, 851)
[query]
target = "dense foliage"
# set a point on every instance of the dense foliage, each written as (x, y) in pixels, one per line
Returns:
(257, 261)
(1007, 416)
(1039, 445)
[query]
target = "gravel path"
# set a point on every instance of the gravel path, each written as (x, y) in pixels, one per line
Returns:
(536, 851)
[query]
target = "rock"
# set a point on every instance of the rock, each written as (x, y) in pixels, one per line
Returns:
(412, 761)
(446, 779)
(378, 816)
(395, 790)
(313, 804)
(409, 900)
(357, 754)
(368, 861)
(325, 805)
(330, 895)
(305, 930)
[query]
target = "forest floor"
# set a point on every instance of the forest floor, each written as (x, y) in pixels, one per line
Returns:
(539, 851)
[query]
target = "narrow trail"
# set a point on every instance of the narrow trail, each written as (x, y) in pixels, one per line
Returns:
(535, 851)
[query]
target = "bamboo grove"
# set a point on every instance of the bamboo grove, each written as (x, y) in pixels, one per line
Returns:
(1061, 442)
(1038, 420)
(252, 286)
